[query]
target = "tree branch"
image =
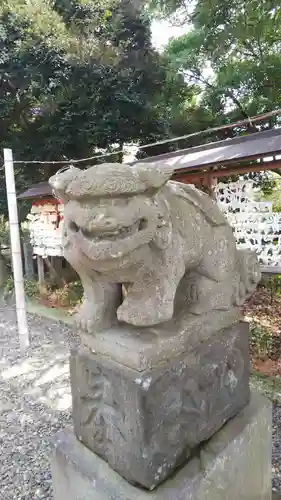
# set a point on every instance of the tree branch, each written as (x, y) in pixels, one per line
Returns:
(249, 47)
(229, 93)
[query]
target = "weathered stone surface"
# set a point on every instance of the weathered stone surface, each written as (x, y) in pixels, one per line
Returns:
(130, 226)
(142, 348)
(145, 424)
(234, 465)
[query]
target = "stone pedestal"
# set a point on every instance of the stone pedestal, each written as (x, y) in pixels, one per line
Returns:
(235, 464)
(147, 423)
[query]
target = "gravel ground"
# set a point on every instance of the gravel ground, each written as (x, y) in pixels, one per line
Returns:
(35, 403)
(276, 455)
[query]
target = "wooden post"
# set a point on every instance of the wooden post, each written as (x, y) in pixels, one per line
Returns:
(28, 260)
(16, 249)
(41, 274)
(212, 185)
(209, 183)
(54, 272)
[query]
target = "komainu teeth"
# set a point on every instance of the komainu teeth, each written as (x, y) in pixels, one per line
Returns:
(109, 235)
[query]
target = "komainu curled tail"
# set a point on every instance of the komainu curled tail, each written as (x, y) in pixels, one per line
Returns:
(248, 275)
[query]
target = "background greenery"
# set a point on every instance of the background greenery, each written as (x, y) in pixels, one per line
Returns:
(77, 75)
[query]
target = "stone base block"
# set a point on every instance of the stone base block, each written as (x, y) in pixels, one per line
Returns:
(146, 424)
(143, 348)
(235, 464)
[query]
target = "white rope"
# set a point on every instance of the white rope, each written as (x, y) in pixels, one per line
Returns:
(249, 120)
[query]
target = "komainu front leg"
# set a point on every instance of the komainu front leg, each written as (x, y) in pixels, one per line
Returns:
(151, 301)
(99, 306)
(147, 306)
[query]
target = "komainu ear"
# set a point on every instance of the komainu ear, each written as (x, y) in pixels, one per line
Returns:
(61, 180)
(153, 174)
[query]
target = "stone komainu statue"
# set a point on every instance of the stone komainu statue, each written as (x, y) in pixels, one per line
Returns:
(132, 226)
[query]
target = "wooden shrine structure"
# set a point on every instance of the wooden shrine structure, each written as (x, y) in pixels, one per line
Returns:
(202, 166)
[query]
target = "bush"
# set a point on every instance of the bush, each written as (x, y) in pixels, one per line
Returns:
(30, 288)
(261, 340)
(77, 289)
(4, 232)
(68, 296)
(272, 283)
(9, 287)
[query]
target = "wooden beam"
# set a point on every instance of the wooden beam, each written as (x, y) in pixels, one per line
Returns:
(227, 172)
(190, 178)
(258, 167)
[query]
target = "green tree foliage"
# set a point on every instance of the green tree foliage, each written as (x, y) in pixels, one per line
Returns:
(232, 50)
(231, 55)
(76, 75)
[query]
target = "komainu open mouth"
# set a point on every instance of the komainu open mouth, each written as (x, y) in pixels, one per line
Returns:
(105, 234)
